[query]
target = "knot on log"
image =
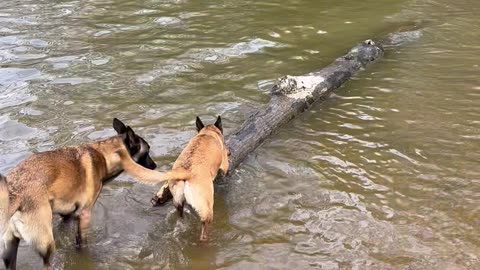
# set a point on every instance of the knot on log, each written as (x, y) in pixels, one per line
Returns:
(365, 52)
(297, 86)
(284, 86)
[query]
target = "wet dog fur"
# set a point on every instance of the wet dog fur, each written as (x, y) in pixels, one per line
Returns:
(198, 164)
(66, 181)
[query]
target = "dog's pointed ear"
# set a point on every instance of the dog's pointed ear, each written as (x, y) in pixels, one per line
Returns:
(119, 126)
(131, 138)
(218, 123)
(199, 124)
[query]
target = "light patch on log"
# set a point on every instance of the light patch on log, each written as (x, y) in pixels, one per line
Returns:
(298, 87)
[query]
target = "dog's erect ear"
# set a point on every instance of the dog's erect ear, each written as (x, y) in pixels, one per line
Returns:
(119, 126)
(131, 138)
(199, 124)
(218, 123)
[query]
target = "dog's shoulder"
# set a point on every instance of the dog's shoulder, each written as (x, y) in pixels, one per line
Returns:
(199, 144)
(200, 151)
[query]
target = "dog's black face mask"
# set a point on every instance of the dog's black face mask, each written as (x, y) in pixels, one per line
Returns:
(138, 148)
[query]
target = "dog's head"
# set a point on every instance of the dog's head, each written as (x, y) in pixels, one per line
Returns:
(138, 148)
(217, 127)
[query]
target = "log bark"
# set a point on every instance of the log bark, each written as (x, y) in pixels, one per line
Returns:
(292, 95)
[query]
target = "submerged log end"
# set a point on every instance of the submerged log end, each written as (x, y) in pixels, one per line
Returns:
(400, 38)
(365, 52)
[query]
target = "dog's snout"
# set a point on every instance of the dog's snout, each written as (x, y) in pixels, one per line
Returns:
(150, 163)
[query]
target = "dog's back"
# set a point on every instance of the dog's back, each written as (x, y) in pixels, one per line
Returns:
(201, 157)
(62, 175)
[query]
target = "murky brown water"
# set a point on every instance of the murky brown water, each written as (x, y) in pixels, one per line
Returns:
(383, 175)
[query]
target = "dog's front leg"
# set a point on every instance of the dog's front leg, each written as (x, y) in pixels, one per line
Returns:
(83, 221)
(225, 164)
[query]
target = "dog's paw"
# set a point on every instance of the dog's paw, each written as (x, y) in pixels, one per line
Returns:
(165, 196)
(157, 201)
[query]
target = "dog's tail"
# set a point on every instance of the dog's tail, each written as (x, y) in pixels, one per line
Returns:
(151, 176)
(4, 204)
(178, 174)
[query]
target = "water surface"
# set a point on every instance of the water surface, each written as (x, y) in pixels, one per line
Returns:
(382, 175)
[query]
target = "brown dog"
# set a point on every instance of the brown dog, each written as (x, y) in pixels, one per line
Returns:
(67, 182)
(199, 163)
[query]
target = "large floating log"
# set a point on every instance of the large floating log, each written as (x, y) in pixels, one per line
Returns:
(292, 95)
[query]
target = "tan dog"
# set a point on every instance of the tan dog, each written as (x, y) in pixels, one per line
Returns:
(199, 163)
(66, 182)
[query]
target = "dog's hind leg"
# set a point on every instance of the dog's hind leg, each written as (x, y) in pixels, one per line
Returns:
(35, 227)
(203, 204)
(9, 255)
(180, 209)
(83, 221)
(177, 190)
(206, 216)
(44, 242)
(46, 252)
(204, 232)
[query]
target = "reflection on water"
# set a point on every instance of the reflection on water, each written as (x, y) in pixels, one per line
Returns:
(383, 175)
(191, 59)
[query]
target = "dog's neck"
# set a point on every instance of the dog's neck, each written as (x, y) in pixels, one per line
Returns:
(213, 133)
(110, 148)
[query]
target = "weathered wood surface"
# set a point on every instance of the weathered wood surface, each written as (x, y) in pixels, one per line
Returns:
(292, 95)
